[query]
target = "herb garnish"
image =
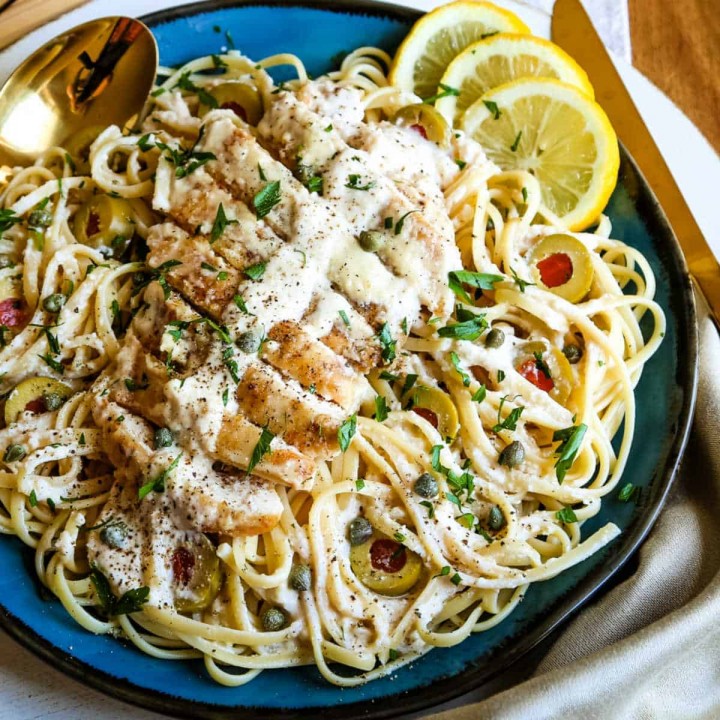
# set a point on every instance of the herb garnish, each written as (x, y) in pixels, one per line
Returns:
(381, 411)
(566, 515)
(493, 108)
(399, 224)
(220, 223)
(522, 284)
(510, 422)
(388, 353)
(516, 143)
(455, 360)
(344, 317)
(256, 271)
(157, 484)
(346, 432)
(266, 199)
(570, 440)
(471, 327)
(51, 362)
(446, 92)
(185, 83)
(354, 183)
(483, 281)
(185, 161)
(129, 602)
(262, 448)
(628, 492)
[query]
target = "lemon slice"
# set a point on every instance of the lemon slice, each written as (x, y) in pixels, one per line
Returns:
(557, 133)
(501, 59)
(441, 35)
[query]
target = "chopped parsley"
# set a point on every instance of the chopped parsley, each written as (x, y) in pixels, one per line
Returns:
(359, 484)
(399, 224)
(479, 394)
(157, 484)
(570, 440)
(256, 271)
(240, 304)
(471, 327)
(430, 508)
(482, 281)
(346, 432)
(185, 161)
(51, 362)
(522, 284)
(219, 224)
(354, 183)
(129, 602)
(511, 421)
(8, 218)
(185, 83)
(446, 91)
(566, 515)
(266, 199)
(387, 344)
(628, 492)
(381, 411)
(516, 142)
(344, 317)
(410, 380)
(33, 499)
(262, 448)
(455, 360)
(493, 108)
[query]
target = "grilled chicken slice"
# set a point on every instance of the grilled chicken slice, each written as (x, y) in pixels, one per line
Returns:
(194, 269)
(362, 195)
(326, 243)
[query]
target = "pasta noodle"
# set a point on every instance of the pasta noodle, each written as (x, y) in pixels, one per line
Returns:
(509, 494)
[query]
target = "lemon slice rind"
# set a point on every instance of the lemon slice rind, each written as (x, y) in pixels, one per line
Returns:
(446, 31)
(501, 59)
(559, 134)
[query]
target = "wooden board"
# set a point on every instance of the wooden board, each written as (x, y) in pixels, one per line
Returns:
(25, 15)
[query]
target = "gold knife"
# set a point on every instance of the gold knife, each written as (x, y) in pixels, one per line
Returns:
(573, 31)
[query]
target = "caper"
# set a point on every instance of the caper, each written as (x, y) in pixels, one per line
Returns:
(53, 303)
(40, 218)
(496, 520)
(495, 338)
(14, 453)
(163, 438)
(115, 535)
(426, 486)
(513, 454)
(273, 619)
(300, 577)
(371, 240)
(249, 342)
(360, 531)
(573, 353)
(53, 401)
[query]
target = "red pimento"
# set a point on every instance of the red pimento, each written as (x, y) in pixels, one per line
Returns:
(12, 313)
(420, 130)
(238, 109)
(387, 555)
(555, 270)
(530, 371)
(429, 415)
(93, 224)
(36, 406)
(183, 564)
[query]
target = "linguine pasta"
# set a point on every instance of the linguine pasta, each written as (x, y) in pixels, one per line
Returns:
(511, 435)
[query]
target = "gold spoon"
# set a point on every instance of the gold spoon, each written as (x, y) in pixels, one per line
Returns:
(96, 74)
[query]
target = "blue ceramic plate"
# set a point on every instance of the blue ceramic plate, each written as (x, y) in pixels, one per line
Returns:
(318, 31)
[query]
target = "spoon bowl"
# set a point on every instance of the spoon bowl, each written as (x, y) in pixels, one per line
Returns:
(96, 74)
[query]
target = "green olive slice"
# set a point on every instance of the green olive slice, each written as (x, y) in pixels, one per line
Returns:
(441, 411)
(425, 120)
(385, 566)
(546, 368)
(104, 221)
(243, 100)
(196, 573)
(36, 394)
(562, 265)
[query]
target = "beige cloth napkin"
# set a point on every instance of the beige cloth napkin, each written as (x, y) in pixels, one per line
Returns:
(651, 647)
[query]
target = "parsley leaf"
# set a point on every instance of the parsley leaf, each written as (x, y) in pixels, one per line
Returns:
(185, 83)
(570, 440)
(354, 183)
(129, 602)
(628, 492)
(157, 484)
(262, 447)
(51, 362)
(483, 281)
(240, 304)
(510, 422)
(266, 199)
(388, 345)
(470, 329)
(493, 108)
(346, 432)
(344, 317)
(455, 360)
(381, 411)
(220, 223)
(446, 92)
(7, 219)
(479, 394)
(566, 515)
(256, 271)
(522, 284)
(516, 142)
(399, 224)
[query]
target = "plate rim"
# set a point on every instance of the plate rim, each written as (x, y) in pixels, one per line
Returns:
(472, 678)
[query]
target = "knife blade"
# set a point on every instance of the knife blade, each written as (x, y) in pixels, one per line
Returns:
(573, 31)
